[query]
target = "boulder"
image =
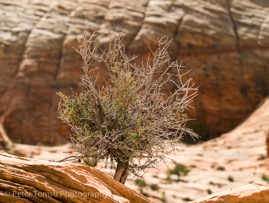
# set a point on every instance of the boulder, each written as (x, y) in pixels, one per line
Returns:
(33, 180)
(251, 193)
(224, 43)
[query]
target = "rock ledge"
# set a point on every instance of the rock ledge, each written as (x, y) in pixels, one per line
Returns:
(32, 180)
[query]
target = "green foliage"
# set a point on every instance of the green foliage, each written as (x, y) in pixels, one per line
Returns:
(261, 157)
(186, 199)
(127, 118)
(230, 178)
(220, 168)
(209, 191)
(140, 182)
(179, 170)
(265, 178)
(90, 161)
(216, 184)
(154, 187)
(168, 178)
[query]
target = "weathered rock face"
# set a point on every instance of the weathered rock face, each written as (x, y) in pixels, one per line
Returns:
(225, 43)
(252, 193)
(32, 180)
(267, 145)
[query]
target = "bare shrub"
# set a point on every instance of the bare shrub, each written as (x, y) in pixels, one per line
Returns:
(128, 119)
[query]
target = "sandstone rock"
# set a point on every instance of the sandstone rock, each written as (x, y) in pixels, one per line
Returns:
(235, 159)
(225, 43)
(252, 193)
(240, 153)
(267, 145)
(32, 180)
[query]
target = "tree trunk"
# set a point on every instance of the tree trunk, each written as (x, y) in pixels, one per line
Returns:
(122, 171)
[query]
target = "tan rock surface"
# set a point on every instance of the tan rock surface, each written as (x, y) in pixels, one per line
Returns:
(32, 180)
(267, 145)
(252, 193)
(235, 159)
(230, 161)
(225, 43)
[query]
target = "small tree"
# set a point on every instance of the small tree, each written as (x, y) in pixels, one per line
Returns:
(129, 118)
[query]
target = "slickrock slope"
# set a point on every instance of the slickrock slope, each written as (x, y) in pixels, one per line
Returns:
(233, 160)
(224, 42)
(267, 145)
(252, 193)
(32, 180)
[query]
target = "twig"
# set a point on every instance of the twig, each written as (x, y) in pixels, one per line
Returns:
(70, 158)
